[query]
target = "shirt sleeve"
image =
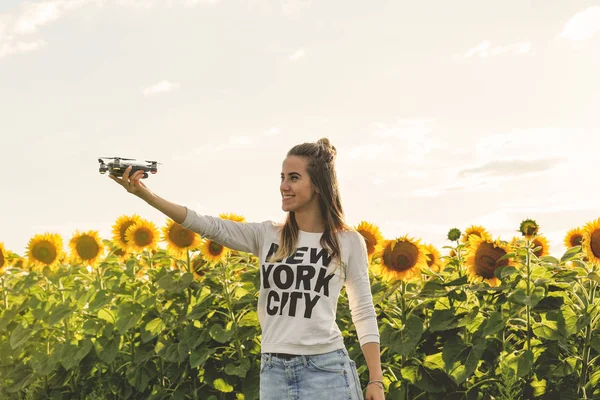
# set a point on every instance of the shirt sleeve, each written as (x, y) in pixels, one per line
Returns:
(240, 236)
(358, 288)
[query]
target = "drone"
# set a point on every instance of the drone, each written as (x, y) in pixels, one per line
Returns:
(116, 167)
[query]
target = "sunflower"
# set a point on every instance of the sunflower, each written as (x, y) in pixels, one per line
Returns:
(142, 235)
(178, 238)
(45, 249)
(529, 228)
(483, 258)
(198, 266)
(232, 217)
(3, 258)
(474, 230)
(86, 247)
(213, 251)
(541, 241)
(372, 235)
(573, 238)
(434, 258)
(401, 259)
(454, 234)
(591, 241)
(120, 228)
(18, 262)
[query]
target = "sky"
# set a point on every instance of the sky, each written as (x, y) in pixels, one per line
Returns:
(444, 113)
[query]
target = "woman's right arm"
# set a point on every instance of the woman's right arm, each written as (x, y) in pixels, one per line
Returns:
(135, 186)
(245, 237)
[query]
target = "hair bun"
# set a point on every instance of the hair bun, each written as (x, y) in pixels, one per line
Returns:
(328, 152)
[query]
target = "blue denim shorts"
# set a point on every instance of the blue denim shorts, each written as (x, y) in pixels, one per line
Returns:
(329, 376)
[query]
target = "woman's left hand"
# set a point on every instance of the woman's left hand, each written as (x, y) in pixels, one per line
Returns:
(374, 392)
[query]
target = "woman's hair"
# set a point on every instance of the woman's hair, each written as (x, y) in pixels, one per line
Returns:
(321, 170)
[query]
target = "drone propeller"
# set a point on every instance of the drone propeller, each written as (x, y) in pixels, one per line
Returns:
(153, 162)
(120, 158)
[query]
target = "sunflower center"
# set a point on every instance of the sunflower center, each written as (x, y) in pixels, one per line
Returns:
(1, 259)
(370, 241)
(486, 260)
(215, 248)
(402, 258)
(87, 248)
(576, 240)
(124, 227)
(537, 243)
(595, 243)
(45, 252)
(430, 260)
(142, 237)
(181, 237)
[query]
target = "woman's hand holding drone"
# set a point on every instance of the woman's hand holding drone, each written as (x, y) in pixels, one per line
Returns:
(133, 184)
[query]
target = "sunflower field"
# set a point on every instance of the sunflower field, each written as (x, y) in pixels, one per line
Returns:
(125, 318)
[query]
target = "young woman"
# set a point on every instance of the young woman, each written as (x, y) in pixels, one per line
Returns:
(303, 265)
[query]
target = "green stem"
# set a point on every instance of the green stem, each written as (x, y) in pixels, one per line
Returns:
(188, 297)
(404, 313)
(587, 345)
(66, 320)
(228, 298)
(459, 260)
(4, 293)
(528, 307)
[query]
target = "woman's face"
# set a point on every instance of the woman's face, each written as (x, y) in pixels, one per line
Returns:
(297, 190)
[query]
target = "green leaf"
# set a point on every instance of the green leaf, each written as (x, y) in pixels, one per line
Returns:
(152, 329)
(173, 282)
(443, 320)
(106, 315)
(106, 349)
(127, 316)
(539, 387)
(517, 364)
(570, 254)
(547, 329)
(403, 341)
(238, 370)
(19, 336)
(138, 376)
(249, 319)
(59, 313)
(219, 334)
(537, 294)
(432, 381)
(549, 260)
(495, 323)
(222, 386)
(506, 271)
(71, 353)
(199, 356)
(101, 299)
(461, 358)
(20, 377)
(458, 282)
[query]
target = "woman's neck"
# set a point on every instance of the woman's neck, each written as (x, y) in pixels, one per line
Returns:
(309, 222)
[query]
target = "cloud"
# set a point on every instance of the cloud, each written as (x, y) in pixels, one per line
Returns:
(8, 47)
(504, 168)
(17, 26)
(297, 55)
(160, 87)
(272, 131)
(485, 49)
(583, 25)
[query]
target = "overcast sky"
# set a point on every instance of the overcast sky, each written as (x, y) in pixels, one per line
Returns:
(444, 113)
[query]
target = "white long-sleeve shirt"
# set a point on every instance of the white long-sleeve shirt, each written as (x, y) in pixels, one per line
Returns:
(298, 297)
